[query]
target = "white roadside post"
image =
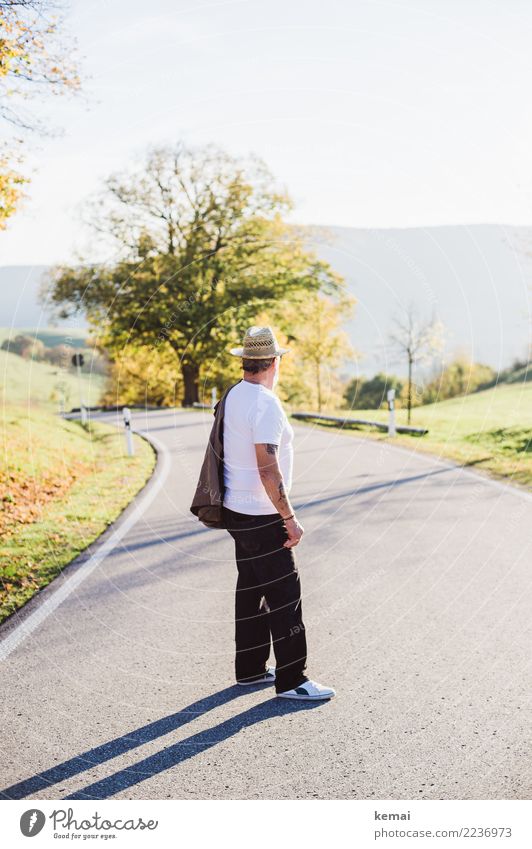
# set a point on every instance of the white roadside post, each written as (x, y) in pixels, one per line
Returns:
(391, 408)
(129, 436)
(214, 396)
(77, 360)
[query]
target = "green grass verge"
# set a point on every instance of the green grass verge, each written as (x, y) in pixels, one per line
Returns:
(490, 430)
(61, 485)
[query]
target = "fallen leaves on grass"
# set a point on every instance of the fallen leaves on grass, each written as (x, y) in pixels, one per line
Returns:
(22, 498)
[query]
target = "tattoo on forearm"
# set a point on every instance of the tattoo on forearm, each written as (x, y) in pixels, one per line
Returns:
(270, 449)
(282, 493)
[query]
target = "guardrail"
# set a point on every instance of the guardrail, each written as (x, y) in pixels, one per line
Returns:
(419, 431)
(113, 408)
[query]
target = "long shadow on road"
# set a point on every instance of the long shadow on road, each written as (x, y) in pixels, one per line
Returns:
(161, 761)
(374, 487)
(162, 537)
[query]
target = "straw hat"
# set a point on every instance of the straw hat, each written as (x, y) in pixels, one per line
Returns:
(259, 344)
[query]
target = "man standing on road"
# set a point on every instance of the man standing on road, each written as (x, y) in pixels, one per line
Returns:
(258, 457)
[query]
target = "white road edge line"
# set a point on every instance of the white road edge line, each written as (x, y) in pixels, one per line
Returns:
(27, 626)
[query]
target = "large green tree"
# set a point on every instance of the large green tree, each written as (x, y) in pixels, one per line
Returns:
(201, 246)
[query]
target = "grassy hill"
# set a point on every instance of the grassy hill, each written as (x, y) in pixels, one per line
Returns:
(490, 430)
(23, 380)
(61, 484)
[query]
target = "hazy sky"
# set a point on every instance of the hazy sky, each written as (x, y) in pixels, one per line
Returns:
(371, 113)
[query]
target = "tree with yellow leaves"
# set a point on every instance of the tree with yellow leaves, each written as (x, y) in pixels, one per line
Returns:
(320, 345)
(34, 61)
(143, 375)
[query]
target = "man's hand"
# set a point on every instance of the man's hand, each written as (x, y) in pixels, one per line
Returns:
(295, 532)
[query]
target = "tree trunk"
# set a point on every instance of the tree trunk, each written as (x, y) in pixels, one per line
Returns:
(318, 381)
(190, 372)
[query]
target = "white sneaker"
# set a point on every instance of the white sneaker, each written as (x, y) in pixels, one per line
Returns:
(267, 678)
(309, 690)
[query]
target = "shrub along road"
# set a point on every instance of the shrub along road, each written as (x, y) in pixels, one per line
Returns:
(416, 601)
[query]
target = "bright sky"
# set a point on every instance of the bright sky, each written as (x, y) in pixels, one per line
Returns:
(371, 112)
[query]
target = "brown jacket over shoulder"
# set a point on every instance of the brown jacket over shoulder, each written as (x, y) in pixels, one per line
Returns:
(208, 500)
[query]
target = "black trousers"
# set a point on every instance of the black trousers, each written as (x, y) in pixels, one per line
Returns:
(268, 601)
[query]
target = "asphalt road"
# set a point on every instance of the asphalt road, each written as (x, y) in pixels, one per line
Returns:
(416, 597)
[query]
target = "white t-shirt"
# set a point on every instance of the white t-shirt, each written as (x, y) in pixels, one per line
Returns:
(253, 414)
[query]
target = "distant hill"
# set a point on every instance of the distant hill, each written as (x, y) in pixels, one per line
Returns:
(476, 279)
(49, 336)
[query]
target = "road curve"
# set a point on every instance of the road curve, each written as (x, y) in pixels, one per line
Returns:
(416, 597)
